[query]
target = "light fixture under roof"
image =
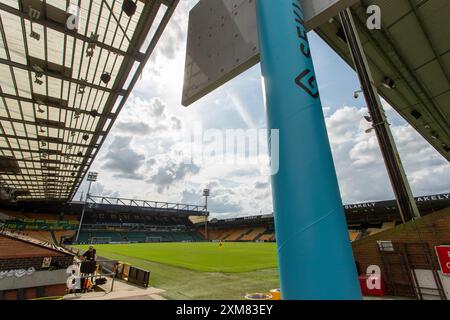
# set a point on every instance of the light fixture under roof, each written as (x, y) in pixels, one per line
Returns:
(416, 114)
(129, 7)
(40, 110)
(356, 94)
(388, 83)
(368, 118)
(38, 81)
(38, 69)
(105, 77)
(435, 135)
(94, 113)
(34, 35)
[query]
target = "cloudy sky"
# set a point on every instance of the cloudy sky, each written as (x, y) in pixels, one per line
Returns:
(141, 156)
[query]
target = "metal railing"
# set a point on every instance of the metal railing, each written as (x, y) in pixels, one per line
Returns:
(106, 271)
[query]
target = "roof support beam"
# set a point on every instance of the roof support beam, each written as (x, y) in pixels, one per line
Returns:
(61, 77)
(50, 104)
(33, 123)
(45, 151)
(39, 139)
(137, 56)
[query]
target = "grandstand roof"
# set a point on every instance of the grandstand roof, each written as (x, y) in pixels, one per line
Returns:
(369, 212)
(413, 50)
(63, 84)
(111, 204)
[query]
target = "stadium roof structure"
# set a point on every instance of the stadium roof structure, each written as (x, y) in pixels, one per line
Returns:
(67, 68)
(112, 204)
(412, 49)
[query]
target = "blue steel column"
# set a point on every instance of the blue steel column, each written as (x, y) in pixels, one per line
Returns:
(314, 251)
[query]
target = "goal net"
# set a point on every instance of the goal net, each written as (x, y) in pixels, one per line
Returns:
(153, 239)
(100, 240)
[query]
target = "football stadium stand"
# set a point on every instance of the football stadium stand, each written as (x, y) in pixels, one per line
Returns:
(363, 219)
(253, 234)
(106, 220)
(117, 220)
(51, 228)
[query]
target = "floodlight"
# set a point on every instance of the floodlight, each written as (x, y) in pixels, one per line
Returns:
(35, 35)
(94, 113)
(435, 135)
(129, 7)
(92, 176)
(356, 94)
(105, 77)
(388, 83)
(416, 114)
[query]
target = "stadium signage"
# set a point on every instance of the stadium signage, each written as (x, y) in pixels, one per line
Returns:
(437, 197)
(360, 205)
(443, 255)
(445, 196)
(18, 273)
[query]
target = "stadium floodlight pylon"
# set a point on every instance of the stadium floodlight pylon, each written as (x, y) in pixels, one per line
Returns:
(314, 252)
(92, 177)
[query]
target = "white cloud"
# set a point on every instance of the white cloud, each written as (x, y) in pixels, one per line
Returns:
(361, 171)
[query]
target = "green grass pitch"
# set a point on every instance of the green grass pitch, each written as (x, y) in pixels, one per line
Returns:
(201, 270)
(206, 257)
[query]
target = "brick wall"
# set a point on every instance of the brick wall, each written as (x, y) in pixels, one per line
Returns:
(13, 248)
(32, 293)
(59, 262)
(17, 254)
(433, 229)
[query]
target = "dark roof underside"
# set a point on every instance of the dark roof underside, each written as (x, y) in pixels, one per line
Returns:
(413, 49)
(56, 108)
